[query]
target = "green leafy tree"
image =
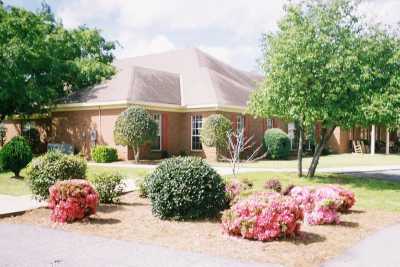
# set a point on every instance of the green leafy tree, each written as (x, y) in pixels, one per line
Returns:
(15, 155)
(42, 62)
(312, 66)
(215, 130)
(135, 127)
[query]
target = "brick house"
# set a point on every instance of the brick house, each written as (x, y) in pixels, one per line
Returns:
(179, 88)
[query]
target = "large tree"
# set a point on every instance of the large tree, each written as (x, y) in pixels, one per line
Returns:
(42, 62)
(318, 72)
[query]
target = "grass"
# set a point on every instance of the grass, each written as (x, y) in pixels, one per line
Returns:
(371, 194)
(20, 187)
(330, 161)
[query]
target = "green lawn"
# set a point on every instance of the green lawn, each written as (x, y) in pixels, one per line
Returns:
(19, 187)
(330, 161)
(370, 194)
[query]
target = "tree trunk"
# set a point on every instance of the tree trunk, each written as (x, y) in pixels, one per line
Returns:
(300, 151)
(327, 133)
(137, 154)
(387, 141)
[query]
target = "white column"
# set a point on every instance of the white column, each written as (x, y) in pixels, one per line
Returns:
(387, 141)
(373, 138)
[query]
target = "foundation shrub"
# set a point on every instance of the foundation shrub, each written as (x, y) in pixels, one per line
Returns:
(15, 155)
(277, 144)
(104, 154)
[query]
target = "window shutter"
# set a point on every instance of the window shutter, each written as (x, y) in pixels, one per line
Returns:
(164, 131)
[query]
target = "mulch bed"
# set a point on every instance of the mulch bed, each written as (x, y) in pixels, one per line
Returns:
(132, 220)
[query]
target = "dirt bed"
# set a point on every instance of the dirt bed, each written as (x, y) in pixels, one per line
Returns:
(133, 220)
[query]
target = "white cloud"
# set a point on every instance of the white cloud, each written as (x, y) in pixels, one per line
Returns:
(153, 26)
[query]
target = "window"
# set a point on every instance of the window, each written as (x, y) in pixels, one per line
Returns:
(240, 123)
(156, 145)
(197, 124)
(270, 123)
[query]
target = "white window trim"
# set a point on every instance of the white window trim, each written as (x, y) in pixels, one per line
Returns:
(237, 123)
(272, 123)
(191, 133)
(161, 127)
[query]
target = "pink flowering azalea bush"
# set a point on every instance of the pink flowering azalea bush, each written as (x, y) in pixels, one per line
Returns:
(72, 200)
(322, 205)
(264, 217)
(233, 188)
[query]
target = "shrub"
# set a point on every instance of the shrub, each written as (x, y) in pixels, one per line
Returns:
(143, 187)
(104, 154)
(273, 184)
(135, 127)
(322, 205)
(233, 189)
(214, 131)
(264, 217)
(3, 134)
(72, 200)
(15, 155)
(32, 135)
(277, 144)
(186, 188)
(109, 186)
(46, 170)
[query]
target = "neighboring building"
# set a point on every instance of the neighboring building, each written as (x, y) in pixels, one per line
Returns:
(179, 88)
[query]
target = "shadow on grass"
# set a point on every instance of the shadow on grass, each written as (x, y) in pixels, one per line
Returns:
(366, 183)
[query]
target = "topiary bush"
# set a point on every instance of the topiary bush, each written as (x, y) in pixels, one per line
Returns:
(104, 154)
(277, 144)
(72, 200)
(214, 131)
(109, 186)
(135, 127)
(46, 170)
(264, 217)
(15, 155)
(186, 188)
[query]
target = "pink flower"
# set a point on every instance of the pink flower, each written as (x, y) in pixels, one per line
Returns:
(72, 200)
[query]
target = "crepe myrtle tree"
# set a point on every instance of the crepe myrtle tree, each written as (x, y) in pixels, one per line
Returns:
(314, 72)
(135, 127)
(42, 62)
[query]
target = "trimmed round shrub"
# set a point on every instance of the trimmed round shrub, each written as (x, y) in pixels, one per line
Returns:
(104, 154)
(32, 135)
(277, 144)
(72, 200)
(135, 127)
(15, 155)
(186, 188)
(264, 217)
(214, 131)
(109, 186)
(46, 170)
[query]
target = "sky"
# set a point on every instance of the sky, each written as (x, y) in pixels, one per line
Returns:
(229, 30)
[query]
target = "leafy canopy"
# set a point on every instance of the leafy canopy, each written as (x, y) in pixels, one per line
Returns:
(134, 127)
(312, 66)
(42, 62)
(215, 130)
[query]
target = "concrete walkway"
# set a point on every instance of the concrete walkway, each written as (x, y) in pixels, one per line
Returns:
(12, 205)
(26, 245)
(379, 249)
(380, 172)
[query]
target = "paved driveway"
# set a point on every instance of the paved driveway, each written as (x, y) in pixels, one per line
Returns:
(390, 175)
(31, 246)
